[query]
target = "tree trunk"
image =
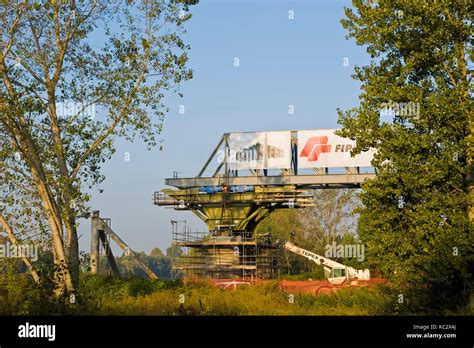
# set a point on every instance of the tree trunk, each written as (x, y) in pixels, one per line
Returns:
(73, 250)
(72, 244)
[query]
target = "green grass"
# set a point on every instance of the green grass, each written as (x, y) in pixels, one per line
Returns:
(201, 298)
(102, 295)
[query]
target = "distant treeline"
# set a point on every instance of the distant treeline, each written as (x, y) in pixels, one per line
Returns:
(159, 263)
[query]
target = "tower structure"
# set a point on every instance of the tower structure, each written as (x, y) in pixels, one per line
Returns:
(256, 173)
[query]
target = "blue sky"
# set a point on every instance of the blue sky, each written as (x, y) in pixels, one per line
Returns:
(282, 62)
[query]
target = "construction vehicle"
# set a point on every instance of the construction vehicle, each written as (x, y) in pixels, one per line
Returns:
(335, 272)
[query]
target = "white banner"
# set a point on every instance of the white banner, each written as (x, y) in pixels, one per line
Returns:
(323, 149)
(259, 150)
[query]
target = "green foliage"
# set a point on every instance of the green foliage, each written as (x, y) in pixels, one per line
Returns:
(66, 98)
(313, 228)
(18, 295)
(265, 299)
(104, 295)
(159, 264)
(329, 220)
(103, 286)
(415, 215)
(284, 225)
(156, 252)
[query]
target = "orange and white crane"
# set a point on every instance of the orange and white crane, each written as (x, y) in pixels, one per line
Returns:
(335, 272)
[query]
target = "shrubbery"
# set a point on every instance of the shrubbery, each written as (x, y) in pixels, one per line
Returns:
(202, 298)
(103, 295)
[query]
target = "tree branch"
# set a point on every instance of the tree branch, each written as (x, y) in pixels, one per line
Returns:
(12, 30)
(123, 114)
(15, 241)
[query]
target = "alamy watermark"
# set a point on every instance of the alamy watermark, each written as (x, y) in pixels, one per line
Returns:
(335, 250)
(250, 155)
(37, 331)
(9, 250)
(400, 109)
(390, 109)
(70, 109)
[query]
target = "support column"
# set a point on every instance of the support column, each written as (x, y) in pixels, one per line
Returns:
(95, 242)
(109, 253)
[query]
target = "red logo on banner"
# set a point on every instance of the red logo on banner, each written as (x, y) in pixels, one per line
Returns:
(314, 147)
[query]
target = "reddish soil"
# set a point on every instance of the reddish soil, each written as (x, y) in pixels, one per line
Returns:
(293, 286)
(323, 286)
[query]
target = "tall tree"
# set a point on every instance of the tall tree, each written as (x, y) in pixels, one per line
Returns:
(330, 219)
(75, 76)
(313, 228)
(415, 215)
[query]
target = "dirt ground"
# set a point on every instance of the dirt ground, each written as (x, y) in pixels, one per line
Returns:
(314, 287)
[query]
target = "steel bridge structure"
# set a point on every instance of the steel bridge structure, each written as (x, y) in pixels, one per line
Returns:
(232, 202)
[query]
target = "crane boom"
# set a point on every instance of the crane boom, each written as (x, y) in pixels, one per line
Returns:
(335, 271)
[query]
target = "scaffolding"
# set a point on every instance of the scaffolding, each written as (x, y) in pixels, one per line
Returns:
(199, 254)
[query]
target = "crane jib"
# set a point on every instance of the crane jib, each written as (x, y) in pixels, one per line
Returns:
(331, 266)
(311, 255)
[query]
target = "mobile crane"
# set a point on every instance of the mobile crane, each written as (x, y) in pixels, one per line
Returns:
(335, 272)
